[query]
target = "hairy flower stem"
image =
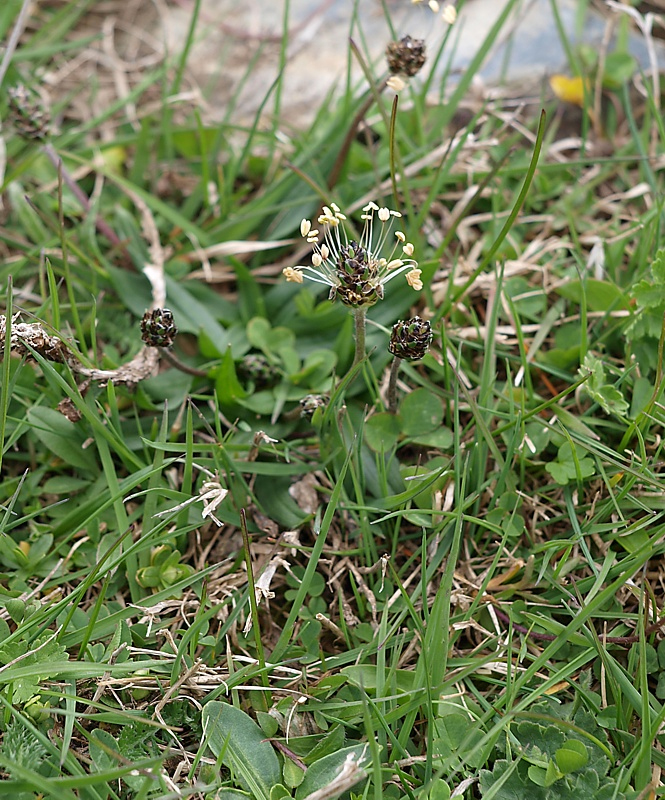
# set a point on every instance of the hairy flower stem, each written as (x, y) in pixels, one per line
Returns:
(392, 385)
(102, 226)
(359, 318)
(254, 608)
(174, 361)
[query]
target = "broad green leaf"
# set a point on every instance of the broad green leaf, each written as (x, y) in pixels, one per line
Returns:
(331, 743)
(599, 295)
(619, 68)
(63, 438)
(227, 385)
(365, 676)
(457, 735)
(268, 723)
(323, 772)
(440, 790)
(660, 687)
(279, 791)
(318, 366)
(64, 484)
(382, 431)
(441, 439)
(272, 492)
(570, 466)
(544, 777)
(293, 774)
(611, 400)
(648, 295)
(102, 747)
(421, 412)
(258, 333)
(642, 394)
(233, 735)
(268, 339)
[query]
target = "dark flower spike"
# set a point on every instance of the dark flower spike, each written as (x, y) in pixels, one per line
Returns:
(257, 368)
(158, 328)
(410, 339)
(406, 57)
(356, 272)
(310, 403)
(29, 116)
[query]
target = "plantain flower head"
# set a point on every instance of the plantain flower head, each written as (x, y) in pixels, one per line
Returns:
(356, 271)
(410, 339)
(406, 56)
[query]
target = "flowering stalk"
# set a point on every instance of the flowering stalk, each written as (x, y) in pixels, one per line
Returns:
(392, 385)
(356, 271)
(359, 317)
(32, 121)
(410, 339)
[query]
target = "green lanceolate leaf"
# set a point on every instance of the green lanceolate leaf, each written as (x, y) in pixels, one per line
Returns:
(233, 735)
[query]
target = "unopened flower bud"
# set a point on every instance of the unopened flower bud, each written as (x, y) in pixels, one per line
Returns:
(257, 368)
(158, 328)
(31, 119)
(406, 57)
(310, 403)
(410, 339)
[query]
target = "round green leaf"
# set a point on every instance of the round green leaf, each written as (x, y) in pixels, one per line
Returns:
(421, 413)
(440, 790)
(382, 432)
(572, 756)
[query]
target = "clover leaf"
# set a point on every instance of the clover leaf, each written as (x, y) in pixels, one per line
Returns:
(570, 465)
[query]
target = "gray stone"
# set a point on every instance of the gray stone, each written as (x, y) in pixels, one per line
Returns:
(236, 56)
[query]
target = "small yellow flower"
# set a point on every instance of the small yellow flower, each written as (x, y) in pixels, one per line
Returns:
(293, 275)
(432, 4)
(413, 279)
(396, 83)
(449, 14)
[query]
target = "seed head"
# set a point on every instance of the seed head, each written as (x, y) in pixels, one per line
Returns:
(257, 368)
(158, 328)
(31, 119)
(310, 403)
(406, 57)
(410, 339)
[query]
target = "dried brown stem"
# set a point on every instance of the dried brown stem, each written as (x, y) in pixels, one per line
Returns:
(550, 637)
